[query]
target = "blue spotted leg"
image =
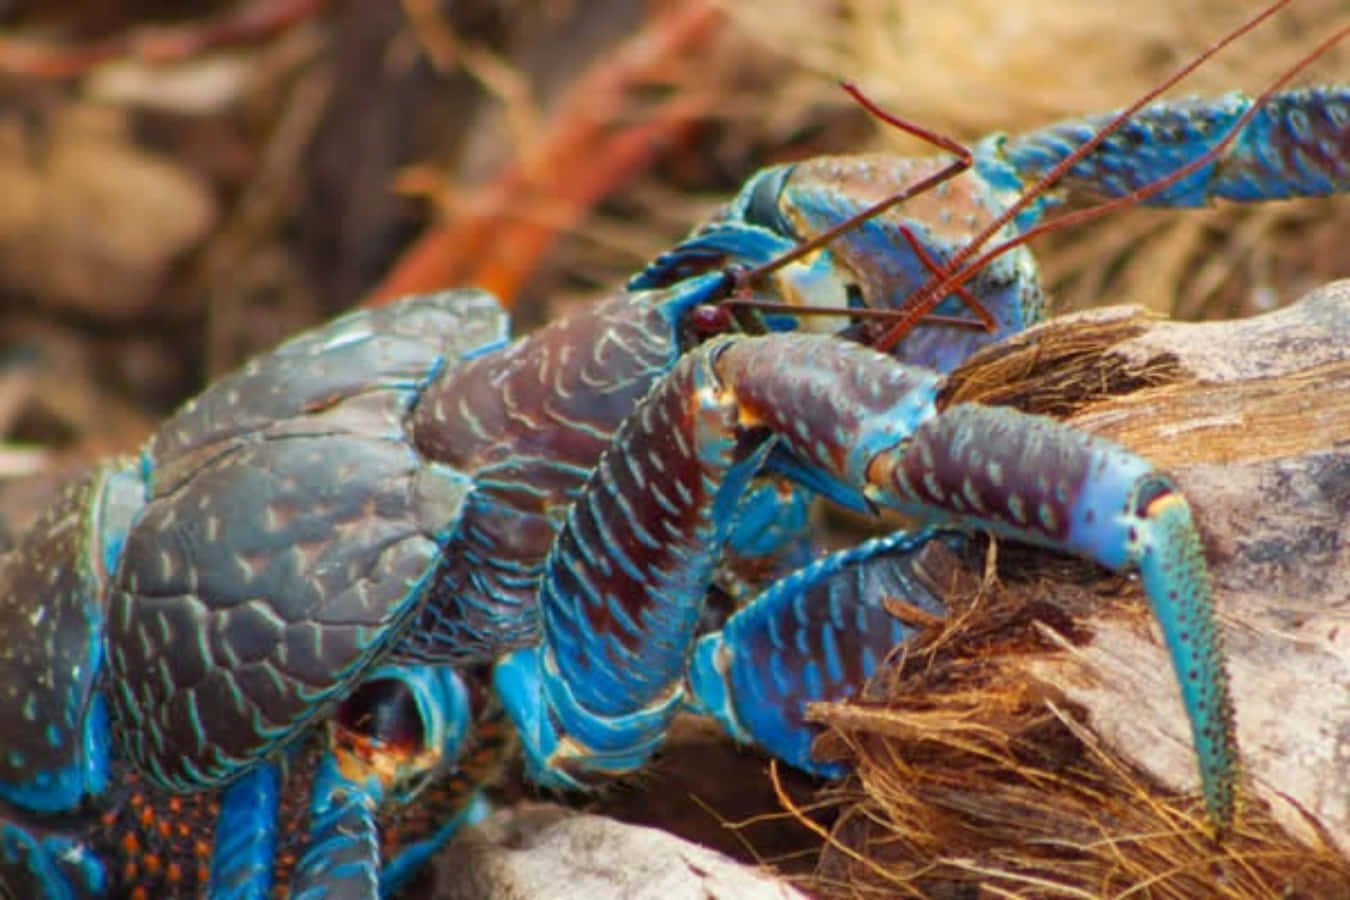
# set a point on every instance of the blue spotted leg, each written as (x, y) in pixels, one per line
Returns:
(624, 582)
(820, 633)
(1296, 144)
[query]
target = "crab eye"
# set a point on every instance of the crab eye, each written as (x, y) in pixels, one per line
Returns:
(762, 207)
(384, 712)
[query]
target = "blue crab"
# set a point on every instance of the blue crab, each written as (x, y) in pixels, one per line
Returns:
(289, 642)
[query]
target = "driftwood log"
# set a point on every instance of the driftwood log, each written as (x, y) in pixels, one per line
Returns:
(1035, 742)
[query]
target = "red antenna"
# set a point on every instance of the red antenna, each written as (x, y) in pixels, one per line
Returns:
(950, 277)
(960, 268)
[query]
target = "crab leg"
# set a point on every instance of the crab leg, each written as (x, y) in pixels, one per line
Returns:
(625, 581)
(1026, 477)
(246, 834)
(1297, 144)
(401, 719)
(818, 634)
(343, 855)
(393, 724)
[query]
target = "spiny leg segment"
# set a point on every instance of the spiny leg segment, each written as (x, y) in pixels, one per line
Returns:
(627, 576)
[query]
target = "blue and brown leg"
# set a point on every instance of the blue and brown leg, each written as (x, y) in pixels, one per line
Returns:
(818, 634)
(625, 584)
(627, 576)
(404, 726)
(243, 854)
(1025, 477)
(625, 581)
(1296, 144)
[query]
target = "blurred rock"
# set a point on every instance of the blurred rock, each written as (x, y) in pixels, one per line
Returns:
(206, 86)
(553, 853)
(90, 222)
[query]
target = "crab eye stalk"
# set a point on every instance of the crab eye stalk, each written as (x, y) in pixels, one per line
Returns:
(761, 204)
